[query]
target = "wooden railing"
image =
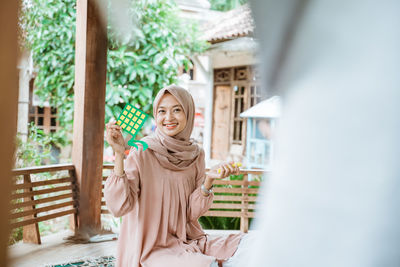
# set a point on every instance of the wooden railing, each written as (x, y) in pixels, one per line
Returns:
(56, 196)
(232, 198)
(236, 198)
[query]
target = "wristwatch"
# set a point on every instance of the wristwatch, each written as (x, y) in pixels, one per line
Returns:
(203, 188)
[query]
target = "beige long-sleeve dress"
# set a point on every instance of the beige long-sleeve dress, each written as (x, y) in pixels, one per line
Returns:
(160, 210)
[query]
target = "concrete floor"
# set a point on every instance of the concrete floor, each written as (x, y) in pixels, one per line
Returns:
(55, 249)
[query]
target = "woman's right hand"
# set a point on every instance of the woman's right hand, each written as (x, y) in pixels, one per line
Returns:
(114, 137)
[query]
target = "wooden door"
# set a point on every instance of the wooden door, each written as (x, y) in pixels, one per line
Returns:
(221, 122)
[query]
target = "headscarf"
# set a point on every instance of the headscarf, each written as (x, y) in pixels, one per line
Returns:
(175, 152)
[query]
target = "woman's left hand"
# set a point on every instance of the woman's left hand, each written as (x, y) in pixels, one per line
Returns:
(224, 170)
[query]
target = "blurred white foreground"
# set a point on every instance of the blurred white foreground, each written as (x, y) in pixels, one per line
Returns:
(335, 195)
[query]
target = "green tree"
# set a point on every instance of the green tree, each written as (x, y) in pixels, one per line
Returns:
(137, 67)
(226, 5)
(48, 31)
(35, 150)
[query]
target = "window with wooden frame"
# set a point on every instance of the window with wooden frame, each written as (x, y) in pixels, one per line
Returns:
(242, 81)
(191, 71)
(255, 94)
(239, 106)
(44, 118)
(255, 90)
(246, 93)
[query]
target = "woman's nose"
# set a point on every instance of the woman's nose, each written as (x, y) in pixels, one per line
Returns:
(168, 116)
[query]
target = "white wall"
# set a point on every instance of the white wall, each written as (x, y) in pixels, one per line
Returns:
(232, 59)
(200, 89)
(25, 70)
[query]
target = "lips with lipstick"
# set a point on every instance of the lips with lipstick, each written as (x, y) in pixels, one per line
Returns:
(170, 126)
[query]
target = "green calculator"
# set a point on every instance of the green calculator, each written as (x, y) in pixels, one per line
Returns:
(131, 121)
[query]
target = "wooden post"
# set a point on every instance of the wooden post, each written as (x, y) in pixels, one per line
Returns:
(73, 218)
(30, 232)
(89, 109)
(244, 219)
(8, 113)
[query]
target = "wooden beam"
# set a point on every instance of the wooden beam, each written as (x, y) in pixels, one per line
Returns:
(8, 113)
(89, 109)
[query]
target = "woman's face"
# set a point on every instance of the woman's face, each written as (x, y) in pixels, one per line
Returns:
(170, 118)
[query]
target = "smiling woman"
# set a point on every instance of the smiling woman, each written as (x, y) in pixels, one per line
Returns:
(171, 118)
(161, 192)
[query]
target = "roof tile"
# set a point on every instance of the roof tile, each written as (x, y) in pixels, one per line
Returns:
(232, 24)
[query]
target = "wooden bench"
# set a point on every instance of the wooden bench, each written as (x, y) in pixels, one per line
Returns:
(232, 198)
(58, 196)
(236, 198)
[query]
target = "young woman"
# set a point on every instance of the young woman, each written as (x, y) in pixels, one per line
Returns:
(161, 192)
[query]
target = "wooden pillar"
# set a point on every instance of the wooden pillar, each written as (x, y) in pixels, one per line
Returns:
(8, 113)
(73, 218)
(90, 84)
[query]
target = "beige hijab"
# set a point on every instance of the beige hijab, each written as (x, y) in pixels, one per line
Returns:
(177, 152)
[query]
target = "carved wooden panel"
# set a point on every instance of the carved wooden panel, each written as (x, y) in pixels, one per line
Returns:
(222, 75)
(241, 74)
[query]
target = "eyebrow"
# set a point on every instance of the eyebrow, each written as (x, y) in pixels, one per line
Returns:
(172, 107)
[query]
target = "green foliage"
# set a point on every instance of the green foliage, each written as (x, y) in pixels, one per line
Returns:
(34, 152)
(49, 31)
(226, 5)
(222, 223)
(137, 68)
(15, 236)
(36, 149)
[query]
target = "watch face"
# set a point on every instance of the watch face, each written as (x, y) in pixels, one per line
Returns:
(131, 119)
